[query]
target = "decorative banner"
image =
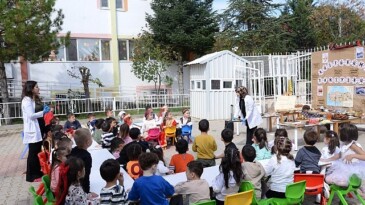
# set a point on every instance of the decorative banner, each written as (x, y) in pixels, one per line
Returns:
(359, 52)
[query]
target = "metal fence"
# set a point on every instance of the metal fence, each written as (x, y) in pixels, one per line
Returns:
(98, 105)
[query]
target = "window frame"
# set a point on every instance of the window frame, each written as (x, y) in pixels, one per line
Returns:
(101, 4)
(211, 84)
(226, 80)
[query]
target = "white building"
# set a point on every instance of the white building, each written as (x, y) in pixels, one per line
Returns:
(102, 34)
(213, 79)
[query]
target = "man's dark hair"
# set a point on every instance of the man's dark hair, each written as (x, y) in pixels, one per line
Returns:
(248, 153)
(310, 137)
(196, 167)
(204, 125)
(182, 146)
(147, 160)
(227, 135)
(109, 170)
(134, 133)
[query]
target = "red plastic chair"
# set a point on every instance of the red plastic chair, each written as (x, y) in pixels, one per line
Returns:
(314, 184)
(153, 134)
(44, 161)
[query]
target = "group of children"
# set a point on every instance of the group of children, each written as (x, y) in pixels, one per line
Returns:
(70, 168)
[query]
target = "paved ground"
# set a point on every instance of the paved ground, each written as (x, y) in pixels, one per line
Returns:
(14, 188)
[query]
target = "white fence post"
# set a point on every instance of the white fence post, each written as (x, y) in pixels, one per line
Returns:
(114, 106)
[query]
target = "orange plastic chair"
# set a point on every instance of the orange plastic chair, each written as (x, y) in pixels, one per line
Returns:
(242, 198)
(170, 132)
(314, 184)
(44, 161)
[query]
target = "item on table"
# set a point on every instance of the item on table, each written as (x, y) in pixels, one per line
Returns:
(313, 121)
(339, 116)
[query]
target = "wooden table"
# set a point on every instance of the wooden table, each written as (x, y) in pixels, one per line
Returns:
(269, 120)
(336, 123)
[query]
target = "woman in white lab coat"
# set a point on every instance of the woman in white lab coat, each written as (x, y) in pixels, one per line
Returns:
(247, 112)
(31, 130)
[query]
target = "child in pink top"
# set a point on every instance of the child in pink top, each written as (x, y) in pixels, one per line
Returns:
(58, 156)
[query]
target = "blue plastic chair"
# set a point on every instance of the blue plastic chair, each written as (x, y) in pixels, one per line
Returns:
(186, 131)
(26, 147)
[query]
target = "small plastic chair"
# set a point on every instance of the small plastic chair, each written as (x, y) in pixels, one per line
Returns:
(314, 184)
(247, 186)
(38, 200)
(354, 185)
(26, 147)
(153, 134)
(294, 194)
(186, 131)
(242, 198)
(47, 186)
(210, 202)
(44, 162)
(170, 132)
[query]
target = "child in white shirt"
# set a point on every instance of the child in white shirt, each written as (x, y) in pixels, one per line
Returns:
(281, 168)
(161, 168)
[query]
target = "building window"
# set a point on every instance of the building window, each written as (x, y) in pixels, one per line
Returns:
(238, 83)
(122, 48)
(204, 85)
(192, 85)
(215, 84)
(131, 49)
(105, 49)
(104, 3)
(198, 85)
(119, 4)
(89, 50)
(227, 84)
(71, 50)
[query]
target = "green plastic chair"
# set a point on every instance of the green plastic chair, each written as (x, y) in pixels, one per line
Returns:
(354, 185)
(294, 194)
(247, 186)
(210, 202)
(38, 200)
(47, 186)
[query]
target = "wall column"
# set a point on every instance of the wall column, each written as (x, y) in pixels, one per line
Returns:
(114, 43)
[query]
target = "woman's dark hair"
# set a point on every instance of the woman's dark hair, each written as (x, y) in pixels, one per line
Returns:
(69, 173)
(133, 151)
(284, 146)
(231, 162)
(159, 152)
(348, 132)
(333, 141)
(124, 130)
(28, 88)
(261, 138)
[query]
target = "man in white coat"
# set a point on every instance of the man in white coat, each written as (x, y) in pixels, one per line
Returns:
(247, 112)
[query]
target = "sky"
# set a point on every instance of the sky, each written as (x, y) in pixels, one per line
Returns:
(220, 5)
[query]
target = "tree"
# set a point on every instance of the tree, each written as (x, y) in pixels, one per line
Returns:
(303, 33)
(150, 61)
(28, 29)
(85, 77)
(186, 27)
(339, 23)
(251, 26)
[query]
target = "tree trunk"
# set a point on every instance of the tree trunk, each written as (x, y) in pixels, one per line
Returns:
(5, 109)
(180, 72)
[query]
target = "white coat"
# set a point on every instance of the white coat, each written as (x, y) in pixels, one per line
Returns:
(32, 132)
(253, 116)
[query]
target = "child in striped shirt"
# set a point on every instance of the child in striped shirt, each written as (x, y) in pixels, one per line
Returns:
(112, 193)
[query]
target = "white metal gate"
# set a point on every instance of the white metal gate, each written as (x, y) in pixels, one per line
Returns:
(251, 78)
